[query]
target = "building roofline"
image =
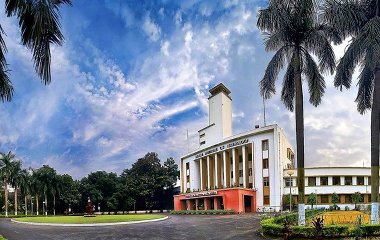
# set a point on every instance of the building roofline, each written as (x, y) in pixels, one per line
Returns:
(219, 88)
(225, 140)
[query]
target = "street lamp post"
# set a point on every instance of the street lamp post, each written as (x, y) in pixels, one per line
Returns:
(290, 173)
(43, 207)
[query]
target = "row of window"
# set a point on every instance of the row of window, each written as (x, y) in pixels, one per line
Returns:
(336, 180)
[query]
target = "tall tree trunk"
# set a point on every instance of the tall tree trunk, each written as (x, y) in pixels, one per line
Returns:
(375, 130)
(37, 203)
(6, 198)
(299, 139)
(54, 204)
(26, 204)
(16, 202)
(46, 204)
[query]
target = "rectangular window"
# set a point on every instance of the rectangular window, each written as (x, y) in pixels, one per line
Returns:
(203, 142)
(202, 135)
(232, 174)
(250, 157)
(266, 200)
(288, 182)
(347, 180)
(188, 178)
(250, 185)
(324, 181)
(336, 180)
(266, 181)
(359, 180)
(250, 171)
(240, 173)
(265, 163)
(369, 180)
(324, 198)
(231, 161)
(348, 198)
(240, 158)
(312, 181)
(187, 166)
(265, 145)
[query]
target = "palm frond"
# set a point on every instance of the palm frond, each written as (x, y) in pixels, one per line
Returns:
(346, 66)
(315, 81)
(274, 40)
(347, 16)
(267, 84)
(40, 27)
(318, 43)
(288, 88)
(365, 89)
(273, 17)
(6, 88)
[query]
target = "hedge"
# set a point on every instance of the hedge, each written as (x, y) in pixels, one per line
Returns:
(275, 227)
(370, 229)
(197, 212)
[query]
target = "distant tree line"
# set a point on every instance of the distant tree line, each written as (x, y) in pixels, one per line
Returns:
(147, 185)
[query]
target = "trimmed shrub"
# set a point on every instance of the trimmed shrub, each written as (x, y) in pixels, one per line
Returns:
(371, 229)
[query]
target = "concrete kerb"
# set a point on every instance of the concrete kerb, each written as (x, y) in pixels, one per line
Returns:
(89, 225)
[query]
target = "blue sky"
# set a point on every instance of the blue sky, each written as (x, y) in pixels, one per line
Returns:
(133, 77)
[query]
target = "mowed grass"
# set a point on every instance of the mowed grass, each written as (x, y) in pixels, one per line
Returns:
(89, 220)
(344, 217)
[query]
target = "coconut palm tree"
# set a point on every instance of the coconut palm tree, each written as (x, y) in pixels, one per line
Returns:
(15, 180)
(360, 20)
(25, 186)
(291, 28)
(40, 27)
(5, 174)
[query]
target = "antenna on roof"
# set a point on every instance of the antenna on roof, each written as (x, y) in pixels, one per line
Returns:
(265, 122)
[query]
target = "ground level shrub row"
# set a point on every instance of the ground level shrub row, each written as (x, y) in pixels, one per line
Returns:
(203, 212)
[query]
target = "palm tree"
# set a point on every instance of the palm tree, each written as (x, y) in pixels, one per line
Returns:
(291, 28)
(35, 187)
(5, 174)
(25, 186)
(15, 180)
(360, 20)
(40, 27)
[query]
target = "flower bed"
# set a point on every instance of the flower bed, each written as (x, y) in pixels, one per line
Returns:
(276, 226)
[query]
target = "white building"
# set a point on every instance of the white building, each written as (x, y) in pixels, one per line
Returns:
(245, 171)
(250, 171)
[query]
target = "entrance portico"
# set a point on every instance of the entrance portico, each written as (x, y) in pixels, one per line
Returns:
(239, 199)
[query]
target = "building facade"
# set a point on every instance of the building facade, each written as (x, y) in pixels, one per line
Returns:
(254, 170)
(244, 172)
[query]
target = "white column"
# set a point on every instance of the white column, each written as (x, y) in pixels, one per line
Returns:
(216, 170)
(244, 167)
(201, 173)
(235, 182)
(224, 170)
(208, 172)
(253, 166)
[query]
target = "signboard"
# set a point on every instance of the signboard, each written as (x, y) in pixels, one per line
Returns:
(221, 148)
(201, 194)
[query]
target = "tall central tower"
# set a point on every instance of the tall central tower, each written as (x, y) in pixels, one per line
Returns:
(220, 116)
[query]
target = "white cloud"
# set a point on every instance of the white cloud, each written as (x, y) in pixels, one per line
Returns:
(151, 29)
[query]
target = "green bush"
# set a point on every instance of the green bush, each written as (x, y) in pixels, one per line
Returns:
(371, 229)
(269, 227)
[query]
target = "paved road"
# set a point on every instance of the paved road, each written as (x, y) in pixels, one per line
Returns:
(176, 227)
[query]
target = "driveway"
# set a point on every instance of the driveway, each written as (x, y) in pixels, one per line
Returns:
(175, 227)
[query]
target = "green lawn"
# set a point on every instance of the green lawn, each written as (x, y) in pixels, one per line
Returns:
(2, 238)
(87, 220)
